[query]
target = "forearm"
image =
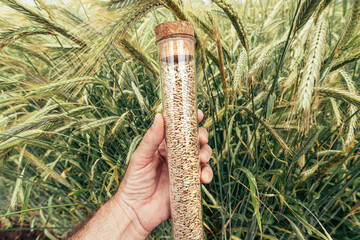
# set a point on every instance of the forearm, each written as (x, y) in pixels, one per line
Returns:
(114, 220)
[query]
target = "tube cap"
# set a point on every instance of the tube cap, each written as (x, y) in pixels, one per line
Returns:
(173, 27)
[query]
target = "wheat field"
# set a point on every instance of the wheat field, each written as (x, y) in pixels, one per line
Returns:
(277, 81)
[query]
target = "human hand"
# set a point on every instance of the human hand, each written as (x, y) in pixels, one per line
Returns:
(144, 191)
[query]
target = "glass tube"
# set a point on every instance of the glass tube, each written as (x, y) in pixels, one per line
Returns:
(178, 87)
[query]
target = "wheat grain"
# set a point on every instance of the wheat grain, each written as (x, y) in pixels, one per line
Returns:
(296, 59)
(304, 34)
(322, 6)
(218, 116)
(177, 8)
(180, 111)
(13, 109)
(17, 190)
(64, 85)
(350, 136)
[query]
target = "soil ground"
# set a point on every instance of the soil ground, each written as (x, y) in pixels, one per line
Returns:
(24, 234)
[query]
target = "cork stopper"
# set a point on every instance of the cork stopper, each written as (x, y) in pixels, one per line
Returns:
(173, 27)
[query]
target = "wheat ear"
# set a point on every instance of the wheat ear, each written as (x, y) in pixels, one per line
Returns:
(235, 20)
(312, 67)
(240, 70)
(351, 26)
(350, 136)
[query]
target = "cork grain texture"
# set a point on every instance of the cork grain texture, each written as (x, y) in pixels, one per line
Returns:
(172, 28)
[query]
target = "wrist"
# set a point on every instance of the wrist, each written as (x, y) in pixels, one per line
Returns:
(128, 222)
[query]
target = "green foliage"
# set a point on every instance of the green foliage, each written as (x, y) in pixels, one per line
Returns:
(79, 87)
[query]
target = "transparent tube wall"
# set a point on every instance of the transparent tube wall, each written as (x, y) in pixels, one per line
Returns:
(178, 86)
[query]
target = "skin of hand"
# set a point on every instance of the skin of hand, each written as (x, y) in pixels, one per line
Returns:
(142, 201)
(145, 187)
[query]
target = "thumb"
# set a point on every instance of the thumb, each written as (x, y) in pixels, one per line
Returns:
(151, 141)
